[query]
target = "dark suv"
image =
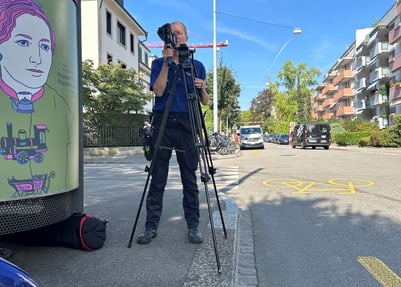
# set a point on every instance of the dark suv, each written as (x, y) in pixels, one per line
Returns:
(311, 135)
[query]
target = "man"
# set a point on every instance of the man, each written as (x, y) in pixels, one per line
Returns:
(177, 135)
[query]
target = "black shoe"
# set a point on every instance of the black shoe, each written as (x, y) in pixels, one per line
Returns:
(147, 236)
(194, 235)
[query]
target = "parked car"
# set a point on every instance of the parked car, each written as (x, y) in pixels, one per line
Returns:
(311, 135)
(275, 138)
(283, 139)
(268, 138)
(251, 137)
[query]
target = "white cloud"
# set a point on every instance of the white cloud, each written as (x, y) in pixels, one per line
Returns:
(247, 37)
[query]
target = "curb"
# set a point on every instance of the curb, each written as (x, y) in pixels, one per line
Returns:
(203, 270)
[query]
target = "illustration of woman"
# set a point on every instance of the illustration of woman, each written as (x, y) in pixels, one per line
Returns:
(27, 44)
(38, 129)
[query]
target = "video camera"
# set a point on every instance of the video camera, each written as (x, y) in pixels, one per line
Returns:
(170, 38)
(166, 34)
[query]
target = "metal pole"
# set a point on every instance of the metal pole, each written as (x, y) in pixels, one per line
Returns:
(215, 106)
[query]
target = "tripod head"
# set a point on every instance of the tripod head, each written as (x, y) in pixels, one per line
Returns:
(184, 54)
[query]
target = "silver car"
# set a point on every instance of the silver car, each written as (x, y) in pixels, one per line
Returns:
(251, 137)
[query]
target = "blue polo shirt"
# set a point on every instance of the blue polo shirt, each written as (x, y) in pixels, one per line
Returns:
(179, 104)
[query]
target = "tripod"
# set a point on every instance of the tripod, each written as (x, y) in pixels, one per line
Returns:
(201, 142)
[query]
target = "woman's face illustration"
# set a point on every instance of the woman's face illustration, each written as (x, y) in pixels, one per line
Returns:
(26, 57)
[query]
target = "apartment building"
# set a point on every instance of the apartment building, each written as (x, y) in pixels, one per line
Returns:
(111, 35)
(358, 84)
(395, 63)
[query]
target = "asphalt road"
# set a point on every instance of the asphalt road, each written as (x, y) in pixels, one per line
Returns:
(323, 217)
(113, 187)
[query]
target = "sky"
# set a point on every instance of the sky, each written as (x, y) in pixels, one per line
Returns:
(260, 33)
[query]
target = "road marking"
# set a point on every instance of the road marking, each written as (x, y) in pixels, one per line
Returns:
(380, 271)
(255, 152)
(341, 185)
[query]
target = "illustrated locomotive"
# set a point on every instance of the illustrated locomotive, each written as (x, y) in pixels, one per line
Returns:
(22, 148)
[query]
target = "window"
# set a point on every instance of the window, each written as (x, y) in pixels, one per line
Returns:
(132, 43)
(109, 59)
(108, 22)
(120, 33)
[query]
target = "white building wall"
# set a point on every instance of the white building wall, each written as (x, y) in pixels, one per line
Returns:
(97, 44)
(90, 30)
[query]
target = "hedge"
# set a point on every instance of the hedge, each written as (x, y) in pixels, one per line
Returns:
(350, 138)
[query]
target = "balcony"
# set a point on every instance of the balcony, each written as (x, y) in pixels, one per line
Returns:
(328, 116)
(327, 103)
(319, 108)
(319, 97)
(379, 73)
(395, 34)
(329, 76)
(383, 48)
(344, 75)
(378, 99)
(361, 106)
(395, 93)
(329, 90)
(398, 7)
(395, 63)
(360, 63)
(346, 110)
(360, 85)
(346, 92)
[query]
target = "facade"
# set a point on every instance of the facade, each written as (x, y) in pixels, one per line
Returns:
(395, 63)
(111, 35)
(361, 84)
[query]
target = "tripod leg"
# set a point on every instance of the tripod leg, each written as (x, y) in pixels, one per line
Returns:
(139, 211)
(216, 252)
(219, 206)
(211, 169)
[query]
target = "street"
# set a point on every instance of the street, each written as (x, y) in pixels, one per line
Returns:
(322, 217)
(309, 218)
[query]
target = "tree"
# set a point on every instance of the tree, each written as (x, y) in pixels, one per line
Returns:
(261, 107)
(298, 81)
(109, 94)
(288, 100)
(228, 93)
(285, 109)
(112, 89)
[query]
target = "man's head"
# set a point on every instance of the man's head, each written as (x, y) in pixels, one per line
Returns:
(179, 29)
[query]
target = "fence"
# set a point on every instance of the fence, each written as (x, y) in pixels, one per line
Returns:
(112, 136)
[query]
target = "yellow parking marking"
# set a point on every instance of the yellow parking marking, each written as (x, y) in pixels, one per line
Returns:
(380, 271)
(255, 152)
(341, 185)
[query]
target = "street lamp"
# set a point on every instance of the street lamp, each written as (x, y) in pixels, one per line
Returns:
(295, 30)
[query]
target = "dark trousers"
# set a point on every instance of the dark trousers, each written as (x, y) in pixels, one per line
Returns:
(180, 138)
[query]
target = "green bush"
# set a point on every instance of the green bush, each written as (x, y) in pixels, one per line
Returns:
(384, 138)
(359, 125)
(365, 141)
(350, 138)
(364, 133)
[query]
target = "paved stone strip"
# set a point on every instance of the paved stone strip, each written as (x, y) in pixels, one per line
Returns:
(246, 273)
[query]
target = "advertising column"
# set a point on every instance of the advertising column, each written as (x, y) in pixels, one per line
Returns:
(40, 107)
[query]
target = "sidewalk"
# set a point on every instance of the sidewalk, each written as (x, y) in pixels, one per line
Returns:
(113, 187)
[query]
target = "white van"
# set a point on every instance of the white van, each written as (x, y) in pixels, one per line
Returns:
(251, 137)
